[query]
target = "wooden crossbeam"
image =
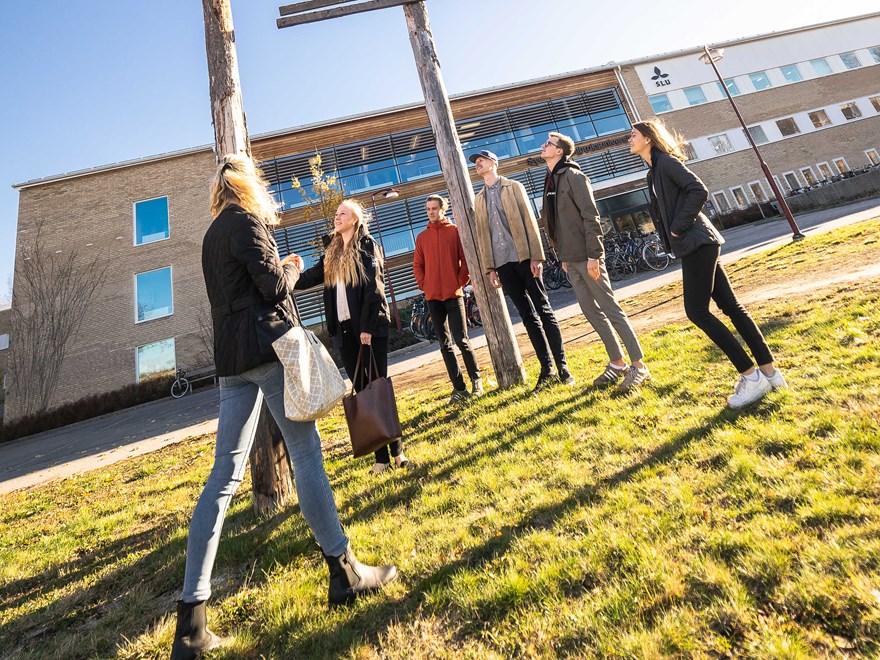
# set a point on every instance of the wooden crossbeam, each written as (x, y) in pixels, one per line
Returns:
(308, 5)
(324, 14)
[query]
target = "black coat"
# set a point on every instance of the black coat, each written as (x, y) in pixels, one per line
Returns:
(366, 298)
(677, 198)
(245, 279)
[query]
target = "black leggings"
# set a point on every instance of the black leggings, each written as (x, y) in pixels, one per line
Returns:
(703, 279)
(351, 346)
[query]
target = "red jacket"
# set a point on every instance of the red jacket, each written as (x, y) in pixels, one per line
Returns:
(438, 264)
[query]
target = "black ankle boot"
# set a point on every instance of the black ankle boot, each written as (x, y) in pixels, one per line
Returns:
(349, 578)
(192, 637)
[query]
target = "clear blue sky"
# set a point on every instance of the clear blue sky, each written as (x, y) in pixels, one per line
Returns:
(92, 83)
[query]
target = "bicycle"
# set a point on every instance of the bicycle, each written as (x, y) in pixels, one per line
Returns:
(471, 311)
(654, 255)
(554, 275)
(181, 385)
(420, 323)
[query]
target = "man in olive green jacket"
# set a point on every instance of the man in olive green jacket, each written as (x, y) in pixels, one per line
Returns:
(510, 251)
(572, 222)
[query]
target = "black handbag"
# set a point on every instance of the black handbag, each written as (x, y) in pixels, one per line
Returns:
(371, 414)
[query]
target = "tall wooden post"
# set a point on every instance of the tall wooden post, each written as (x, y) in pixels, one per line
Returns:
(503, 349)
(270, 465)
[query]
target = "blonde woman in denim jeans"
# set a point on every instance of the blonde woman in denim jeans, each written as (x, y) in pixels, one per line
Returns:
(247, 284)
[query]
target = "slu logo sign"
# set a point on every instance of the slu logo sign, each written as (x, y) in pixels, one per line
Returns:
(660, 79)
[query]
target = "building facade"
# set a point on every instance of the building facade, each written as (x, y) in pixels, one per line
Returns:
(146, 218)
(5, 330)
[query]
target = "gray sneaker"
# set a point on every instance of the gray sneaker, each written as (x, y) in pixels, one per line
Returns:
(458, 395)
(633, 378)
(610, 376)
(477, 389)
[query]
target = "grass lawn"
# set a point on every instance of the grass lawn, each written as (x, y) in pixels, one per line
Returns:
(572, 523)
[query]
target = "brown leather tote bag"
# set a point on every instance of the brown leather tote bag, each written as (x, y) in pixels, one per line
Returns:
(371, 413)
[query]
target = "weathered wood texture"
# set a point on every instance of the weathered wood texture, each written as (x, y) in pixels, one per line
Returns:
(503, 349)
(292, 17)
(270, 465)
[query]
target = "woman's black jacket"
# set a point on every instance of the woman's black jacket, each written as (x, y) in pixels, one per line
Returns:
(677, 198)
(366, 298)
(245, 281)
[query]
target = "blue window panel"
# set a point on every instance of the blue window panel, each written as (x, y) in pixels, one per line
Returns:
(156, 360)
(660, 103)
(530, 139)
(791, 73)
(760, 80)
(153, 297)
(291, 199)
(850, 61)
(694, 95)
(412, 168)
(579, 132)
(821, 66)
(610, 125)
(502, 146)
(366, 177)
(151, 221)
(731, 85)
(398, 241)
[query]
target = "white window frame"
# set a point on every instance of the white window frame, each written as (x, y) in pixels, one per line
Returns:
(733, 190)
(875, 102)
(809, 169)
(826, 164)
(761, 188)
(859, 64)
(715, 152)
(135, 285)
(137, 364)
(837, 158)
(827, 116)
(787, 183)
(760, 128)
(134, 204)
(876, 153)
(796, 125)
(4, 342)
(726, 202)
(779, 185)
(856, 106)
(702, 91)
(796, 68)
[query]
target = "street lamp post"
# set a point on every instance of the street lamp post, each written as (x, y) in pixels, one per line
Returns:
(710, 56)
(387, 193)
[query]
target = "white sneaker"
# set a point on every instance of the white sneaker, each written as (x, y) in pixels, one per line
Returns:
(777, 380)
(748, 391)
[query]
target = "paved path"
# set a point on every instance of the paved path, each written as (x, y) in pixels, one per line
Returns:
(105, 440)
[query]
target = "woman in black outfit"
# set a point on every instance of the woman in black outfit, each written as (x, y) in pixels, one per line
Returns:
(677, 197)
(352, 271)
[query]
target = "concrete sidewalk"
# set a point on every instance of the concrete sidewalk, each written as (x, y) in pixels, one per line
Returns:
(105, 440)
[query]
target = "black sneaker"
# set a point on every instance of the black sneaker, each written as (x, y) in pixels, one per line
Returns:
(566, 378)
(544, 380)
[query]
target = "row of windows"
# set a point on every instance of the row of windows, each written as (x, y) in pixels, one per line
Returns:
(718, 145)
(403, 157)
(760, 80)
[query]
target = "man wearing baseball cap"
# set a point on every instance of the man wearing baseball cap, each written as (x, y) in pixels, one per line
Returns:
(512, 255)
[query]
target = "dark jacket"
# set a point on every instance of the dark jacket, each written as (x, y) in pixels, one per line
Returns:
(438, 263)
(245, 280)
(677, 198)
(577, 235)
(366, 298)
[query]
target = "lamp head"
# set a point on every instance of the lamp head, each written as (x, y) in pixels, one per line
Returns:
(390, 193)
(711, 55)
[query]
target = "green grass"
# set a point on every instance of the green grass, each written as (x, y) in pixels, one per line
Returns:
(574, 523)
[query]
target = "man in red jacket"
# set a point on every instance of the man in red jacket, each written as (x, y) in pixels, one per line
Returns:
(441, 272)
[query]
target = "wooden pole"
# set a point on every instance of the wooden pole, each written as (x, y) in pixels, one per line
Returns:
(270, 465)
(503, 349)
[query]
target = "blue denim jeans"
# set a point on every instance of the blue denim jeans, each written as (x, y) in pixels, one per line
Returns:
(240, 402)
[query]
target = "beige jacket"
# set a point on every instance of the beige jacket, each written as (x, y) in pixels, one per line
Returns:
(523, 226)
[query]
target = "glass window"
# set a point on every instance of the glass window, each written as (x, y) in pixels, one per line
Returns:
(739, 195)
(720, 200)
(825, 170)
(875, 53)
(791, 73)
(153, 298)
(821, 66)
(758, 191)
(721, 144)
(689, 152)
(850, 111)
(873, 158)
(788, 126)
(4, 342)
(791, 181)
(731, 86)
(760, 80)
(660, 103)
(418, 166)
(809, 177)
(156, 360)
(875, 101)
(151, 221)
(819, 118)
(758, 134)
(841, 165)
(695, 95)
(850, 61)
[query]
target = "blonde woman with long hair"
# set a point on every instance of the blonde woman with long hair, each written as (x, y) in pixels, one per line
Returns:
(249, 289)
(678, 196)
(352, 271)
